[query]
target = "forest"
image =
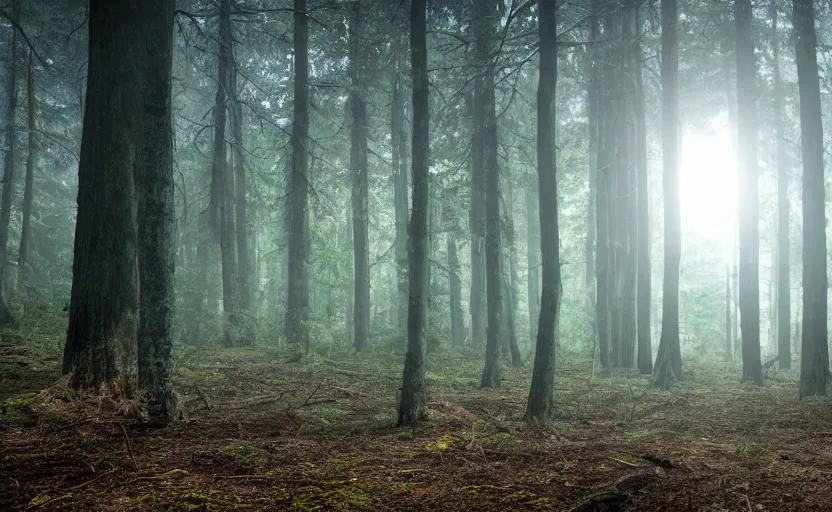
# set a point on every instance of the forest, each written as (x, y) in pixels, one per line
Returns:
(415, 255)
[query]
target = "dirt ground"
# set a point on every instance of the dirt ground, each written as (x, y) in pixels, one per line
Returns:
(261, 432)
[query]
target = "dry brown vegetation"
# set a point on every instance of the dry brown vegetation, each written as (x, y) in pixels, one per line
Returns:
(261, 433)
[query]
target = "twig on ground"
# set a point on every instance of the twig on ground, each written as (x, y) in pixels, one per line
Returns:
(312, 393)
(129, 447)
(318, 402)
(630, 464)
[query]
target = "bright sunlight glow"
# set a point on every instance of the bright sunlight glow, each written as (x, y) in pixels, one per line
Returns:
(708, 184)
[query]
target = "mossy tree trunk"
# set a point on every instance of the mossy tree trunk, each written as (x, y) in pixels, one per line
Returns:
(157, 221)
(103, 313)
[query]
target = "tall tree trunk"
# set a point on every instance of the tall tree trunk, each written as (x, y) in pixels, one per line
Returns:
(749, 291)
(28, 188)
(729, 333)
(297, 303)
(358, 165)
(668, 368)
(241, 227)
(157, 221)
(541, 393)
(399, 178)
(514, 288)
(604, 260)
(594, 73)
(814, 354)
(627, 193)
(485, 13)
(645, 349)
(449, 215)
(220, 206)
(455, 284)
(413, 403)
(478, 280)
(6, 316)
(533, 258)
(784, 300)
(103, 312)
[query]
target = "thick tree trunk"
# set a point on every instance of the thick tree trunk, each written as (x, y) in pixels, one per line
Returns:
(814, 354)
(413, 403)
(297, 303)
(25, 280)
(155, 193)
(668, 368)
(541, 393)
(103, 313)
(784, 300)
(645, 349)
(358, 166)
(749, 290)
(399, 178)
(485, 13)
(6, 316)
(533, 258)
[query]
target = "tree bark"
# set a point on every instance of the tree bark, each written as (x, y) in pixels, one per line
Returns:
(297, 303)
(6, 316)
(399, 178)
(241, 226)
(668, 367)
(455, 284)
(103, 316)
(645, 349)
(814, 354)
(220, 205)
(541, 393)
(478, 280)
(28, 187)
(413, 403)
(533, 258)
(749, 290)
(604, 259)
(157, 221)
(358, 165)
(451, 228)
(593, 115)
(784, 300)
(485, 13)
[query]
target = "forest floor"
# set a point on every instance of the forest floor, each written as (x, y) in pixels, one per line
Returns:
(262, 433)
